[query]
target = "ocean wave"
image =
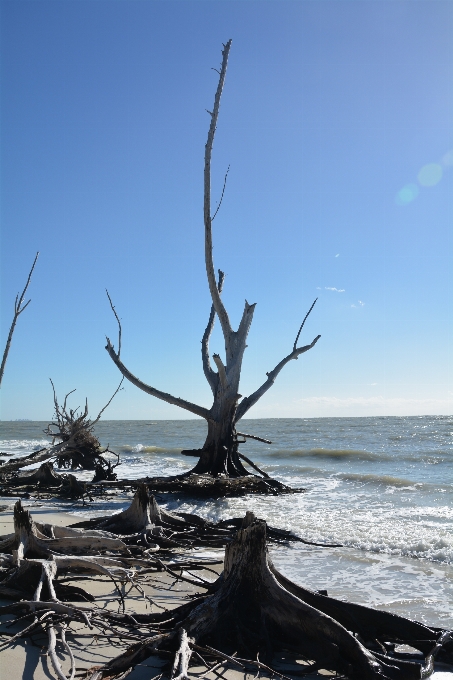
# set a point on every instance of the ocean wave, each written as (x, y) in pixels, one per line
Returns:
(434, 549)
(328, 453)
(22, 446)
(142, 448)
(386, 480)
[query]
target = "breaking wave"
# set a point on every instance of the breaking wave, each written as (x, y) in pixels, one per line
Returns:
(141, 448)
(327, 453)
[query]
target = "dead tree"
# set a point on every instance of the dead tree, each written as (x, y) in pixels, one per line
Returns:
(74, 446)
(83, 449)
(19, 307)
(220, 454)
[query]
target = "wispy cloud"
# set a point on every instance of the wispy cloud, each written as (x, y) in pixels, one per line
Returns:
(360, 304)
(336, 290)
(337, 255)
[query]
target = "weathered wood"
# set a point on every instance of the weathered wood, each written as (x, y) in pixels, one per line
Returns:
(219, 455)
(19, 307)
(28, 539)
(251, 609)
(76, 430)
(255, 611)
(165, 396)
(211, 376)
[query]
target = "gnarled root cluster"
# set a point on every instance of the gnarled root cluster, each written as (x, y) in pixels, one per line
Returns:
(256, 612)
(77, 447)
(82, 448)
(248, 617)
(145, 523)
(209, 486)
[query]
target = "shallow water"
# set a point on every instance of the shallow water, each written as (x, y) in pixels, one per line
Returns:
(382, 487)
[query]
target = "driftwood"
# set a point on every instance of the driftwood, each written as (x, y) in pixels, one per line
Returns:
(210, 486)
(249, 616)
(220, 455)
(77, 448)
(145, 523)
(257, 612)
(83, 449)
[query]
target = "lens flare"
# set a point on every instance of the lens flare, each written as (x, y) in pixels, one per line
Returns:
(407, 194)
(447, 159)
(430, 175)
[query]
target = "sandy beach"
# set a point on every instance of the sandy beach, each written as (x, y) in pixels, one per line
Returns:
(27, 659)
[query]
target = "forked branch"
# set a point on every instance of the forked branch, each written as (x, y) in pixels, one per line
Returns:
(211, 375)
(248, 402)
(19, 307)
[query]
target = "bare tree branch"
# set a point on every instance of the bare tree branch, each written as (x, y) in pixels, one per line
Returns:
(108, 403)
(119, 323)
(19, 307)
(217, 302)
(248, 402)
(211, 375)
(176, 401)
(221, 197)
(302, 325)
(253, 436)
(253, 465)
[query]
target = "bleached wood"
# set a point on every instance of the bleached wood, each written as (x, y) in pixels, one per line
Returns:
(169, 398)
(221, 370)
(180, 670)
(216, 300)
(36, 457)
(210, 374)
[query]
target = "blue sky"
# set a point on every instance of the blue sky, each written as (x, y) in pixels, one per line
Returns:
(336, 121)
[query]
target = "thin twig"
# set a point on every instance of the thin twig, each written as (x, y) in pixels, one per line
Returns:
(302, 325)
(223, 191)
(117, 318)
(108, 403)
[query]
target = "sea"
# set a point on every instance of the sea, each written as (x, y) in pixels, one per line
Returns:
(381, 487)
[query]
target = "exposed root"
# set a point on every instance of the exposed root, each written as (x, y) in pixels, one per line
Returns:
(252, 611)
(145, 523)
(208, 486)
(249, 616)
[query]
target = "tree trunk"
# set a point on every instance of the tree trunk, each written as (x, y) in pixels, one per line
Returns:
(219, 454)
